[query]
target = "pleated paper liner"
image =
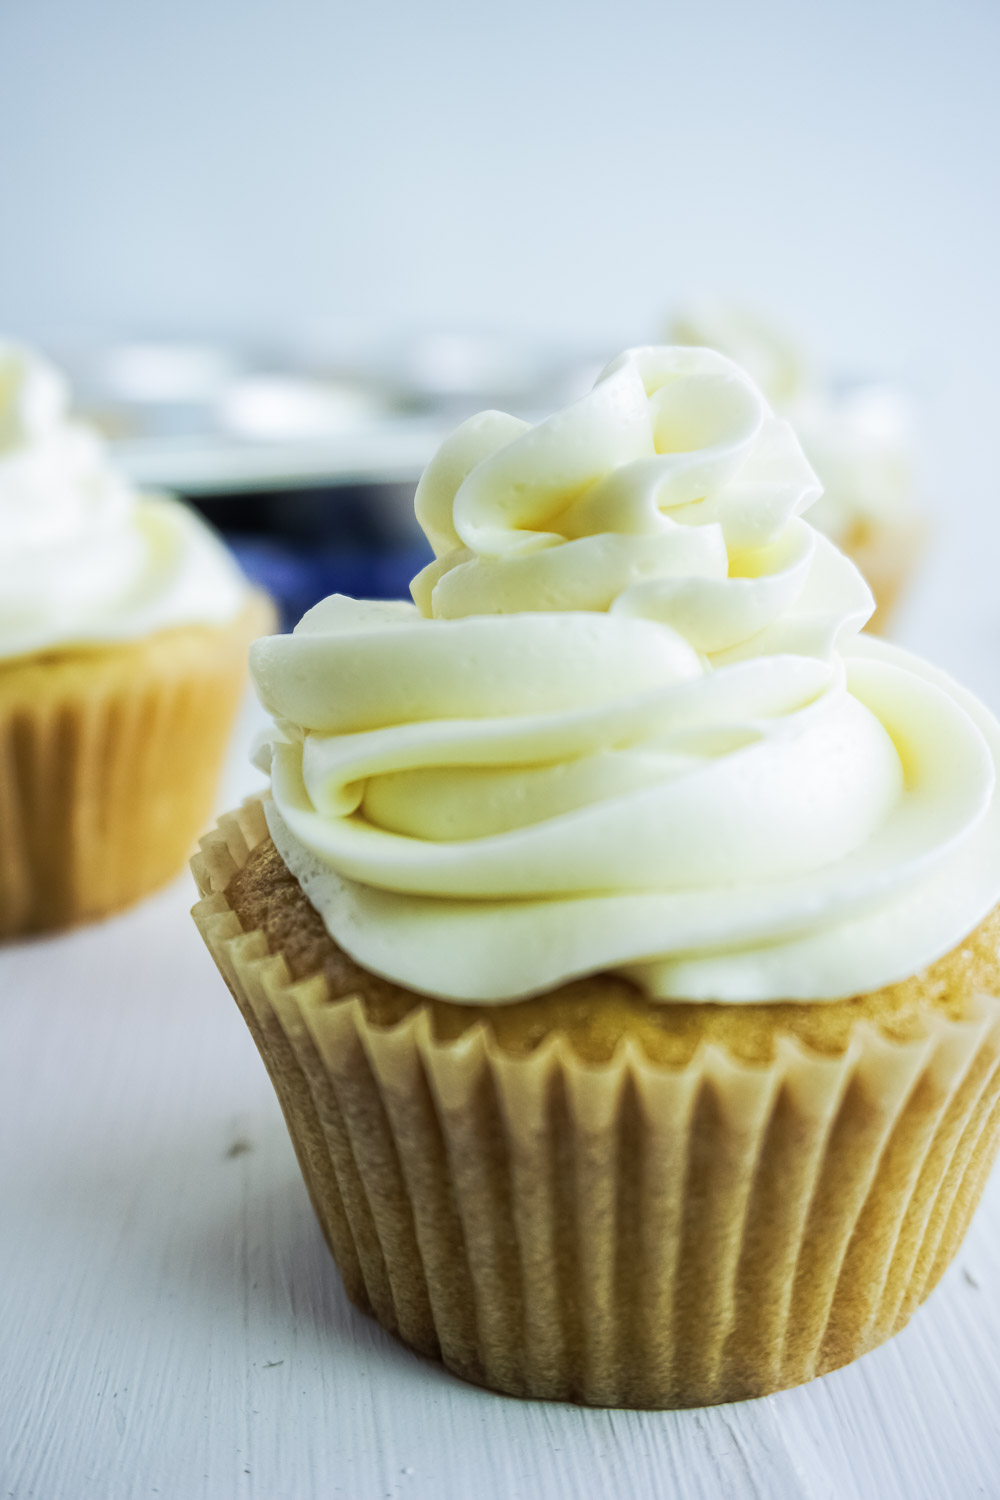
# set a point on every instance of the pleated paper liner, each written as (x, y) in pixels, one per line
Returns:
(109, 762)
(624, 1234)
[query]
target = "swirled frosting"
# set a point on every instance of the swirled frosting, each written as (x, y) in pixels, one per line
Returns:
(628, 723)
(859, 441)
(83, 560)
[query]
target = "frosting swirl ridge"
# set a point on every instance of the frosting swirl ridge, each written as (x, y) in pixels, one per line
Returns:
(628, 723)
(861, 440)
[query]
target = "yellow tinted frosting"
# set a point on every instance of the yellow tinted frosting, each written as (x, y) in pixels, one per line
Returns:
(628, 723)
(860, 441)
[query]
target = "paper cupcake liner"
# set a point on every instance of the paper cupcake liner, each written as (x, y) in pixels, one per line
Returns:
(624, 1234)
(109, 763)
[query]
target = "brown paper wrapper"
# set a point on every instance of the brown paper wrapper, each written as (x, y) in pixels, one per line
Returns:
(109, 762)
(623, 1234)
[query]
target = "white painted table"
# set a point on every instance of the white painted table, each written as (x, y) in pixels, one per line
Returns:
(171, 1323)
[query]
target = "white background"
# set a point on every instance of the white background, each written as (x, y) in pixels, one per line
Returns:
(308, 167)
(320, 175)
(313, 173)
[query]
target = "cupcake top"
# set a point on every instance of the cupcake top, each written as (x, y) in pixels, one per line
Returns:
(629, 723)
(83, 560)
(860, 441)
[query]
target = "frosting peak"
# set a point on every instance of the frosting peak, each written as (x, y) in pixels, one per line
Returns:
(628, 723)
(82, 559)
(860, 441)
(671, 475)
(33, 397)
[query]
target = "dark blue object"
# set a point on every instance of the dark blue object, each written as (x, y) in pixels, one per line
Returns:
(302, 545)
(297, 577)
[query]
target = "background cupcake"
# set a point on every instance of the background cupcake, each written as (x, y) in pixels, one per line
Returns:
(124, 625)
(621, 934)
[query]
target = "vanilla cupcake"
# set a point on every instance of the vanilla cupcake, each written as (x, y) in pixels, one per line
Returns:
(621, 931)
(859, 441)
(124, 626)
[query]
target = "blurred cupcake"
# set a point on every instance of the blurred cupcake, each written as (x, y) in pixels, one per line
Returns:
(621, 931)
(860, 443)
(124, 626)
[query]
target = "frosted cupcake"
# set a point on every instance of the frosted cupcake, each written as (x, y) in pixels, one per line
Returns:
(860, 443)
(124, 625)
(620, 933)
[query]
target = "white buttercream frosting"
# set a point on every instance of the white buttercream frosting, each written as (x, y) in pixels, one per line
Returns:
(83, 560)
(629, 723)
(860, 441)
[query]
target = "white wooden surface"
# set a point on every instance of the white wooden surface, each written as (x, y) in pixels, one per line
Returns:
(171, 1323)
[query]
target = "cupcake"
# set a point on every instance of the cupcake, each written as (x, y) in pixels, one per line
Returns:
(859, 441)
(620, 932)
(124, 627)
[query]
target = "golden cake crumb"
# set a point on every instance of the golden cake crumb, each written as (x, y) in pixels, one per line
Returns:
(597, 1012)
